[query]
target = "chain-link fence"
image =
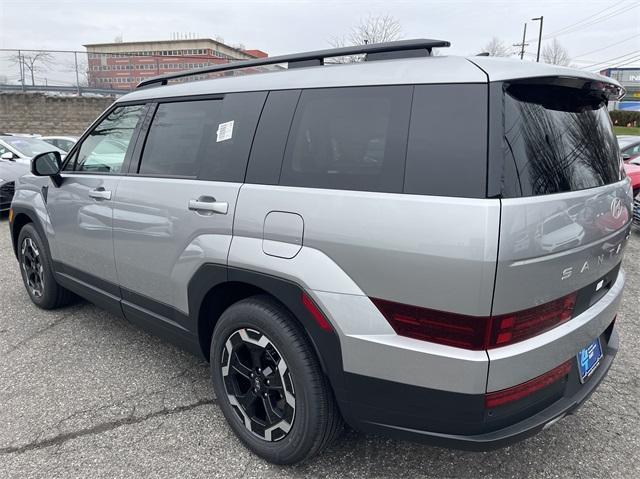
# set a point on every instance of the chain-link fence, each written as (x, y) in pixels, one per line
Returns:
(88, 72)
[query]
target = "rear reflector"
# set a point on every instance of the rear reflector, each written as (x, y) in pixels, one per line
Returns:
(515, 393)
(475, 332)
(308, 303)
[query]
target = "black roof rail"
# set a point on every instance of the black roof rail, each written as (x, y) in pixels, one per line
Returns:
(374, 51)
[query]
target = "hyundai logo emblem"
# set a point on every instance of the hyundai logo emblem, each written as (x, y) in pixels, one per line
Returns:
(616, 208)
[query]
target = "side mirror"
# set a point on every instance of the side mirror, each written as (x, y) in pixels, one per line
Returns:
(47, 164)
(7, 155)
(626, 157)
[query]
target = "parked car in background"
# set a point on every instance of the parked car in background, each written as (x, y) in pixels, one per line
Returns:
(9, 172)
(22, 148)
(629, 147)
(63, 142)
(633, 172)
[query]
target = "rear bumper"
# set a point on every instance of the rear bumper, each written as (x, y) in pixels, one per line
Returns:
(476, 428)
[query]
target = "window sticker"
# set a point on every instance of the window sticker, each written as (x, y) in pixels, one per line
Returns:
(225, 131)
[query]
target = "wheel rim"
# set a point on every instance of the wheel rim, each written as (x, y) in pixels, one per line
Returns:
(258, 384)
(32, 267)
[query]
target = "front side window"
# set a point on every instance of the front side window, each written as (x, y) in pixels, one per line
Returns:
(349, 138)
(105, 148)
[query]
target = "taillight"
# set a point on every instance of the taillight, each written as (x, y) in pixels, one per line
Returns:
(457, 330)
(515, 393)
(516, 327)
(475, 332)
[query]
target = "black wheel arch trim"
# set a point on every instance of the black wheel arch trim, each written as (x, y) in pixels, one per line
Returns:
(325, 344)
(35, 220)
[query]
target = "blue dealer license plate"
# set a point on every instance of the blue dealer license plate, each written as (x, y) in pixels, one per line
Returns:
(589, 359)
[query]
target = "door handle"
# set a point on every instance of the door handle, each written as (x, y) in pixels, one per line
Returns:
(100, 194)
(209, 205)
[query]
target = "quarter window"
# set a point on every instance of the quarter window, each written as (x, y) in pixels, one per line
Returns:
(447, 152)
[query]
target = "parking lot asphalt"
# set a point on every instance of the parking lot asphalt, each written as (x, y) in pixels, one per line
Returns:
(85, 394)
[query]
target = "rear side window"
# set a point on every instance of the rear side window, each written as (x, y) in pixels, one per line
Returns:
(207, 139)
(181, 134)
(349, 138)
(559, 138)
(447, 152)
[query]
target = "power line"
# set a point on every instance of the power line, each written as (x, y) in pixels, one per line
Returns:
(589, 21)
(584, 19)
(633, 60)
(611, 60)
(608, 46)
(597, 20)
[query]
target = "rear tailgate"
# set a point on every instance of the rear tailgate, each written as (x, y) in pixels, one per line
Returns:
(565, 234)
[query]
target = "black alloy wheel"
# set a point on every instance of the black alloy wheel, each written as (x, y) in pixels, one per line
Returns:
(258, 384)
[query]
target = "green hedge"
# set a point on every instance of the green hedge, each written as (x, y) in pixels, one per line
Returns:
(625, 118)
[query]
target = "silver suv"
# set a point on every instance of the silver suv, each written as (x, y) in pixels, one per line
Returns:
(422, 246)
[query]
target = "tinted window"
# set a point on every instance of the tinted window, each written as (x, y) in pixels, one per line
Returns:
(271, 137)
(349, 138)
(181, 133)
(105, 148)
(209, 139)
(447, 151)
(229, 160)
(560, 139)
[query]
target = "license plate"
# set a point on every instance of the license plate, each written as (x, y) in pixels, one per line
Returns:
(589, 359)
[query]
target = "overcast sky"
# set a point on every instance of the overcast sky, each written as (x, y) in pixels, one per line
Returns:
(280, 26)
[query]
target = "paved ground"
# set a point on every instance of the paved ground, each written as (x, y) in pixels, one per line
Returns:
(84, 394)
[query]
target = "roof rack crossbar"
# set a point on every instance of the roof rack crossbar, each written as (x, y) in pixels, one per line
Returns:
(303, 59)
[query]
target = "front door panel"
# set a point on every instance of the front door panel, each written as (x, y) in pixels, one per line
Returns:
(81, 215)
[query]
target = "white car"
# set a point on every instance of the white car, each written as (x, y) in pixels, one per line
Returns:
(22, 148)
(63, 142)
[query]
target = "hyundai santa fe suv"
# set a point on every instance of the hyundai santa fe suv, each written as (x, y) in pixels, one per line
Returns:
(327, 240)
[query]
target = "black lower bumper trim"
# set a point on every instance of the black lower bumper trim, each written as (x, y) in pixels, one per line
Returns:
(483, 440)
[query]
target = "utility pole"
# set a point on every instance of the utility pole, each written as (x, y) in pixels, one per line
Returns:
(541, 19)
(523, 44)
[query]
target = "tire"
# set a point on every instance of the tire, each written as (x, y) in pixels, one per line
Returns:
(307, 419)
(34, 260)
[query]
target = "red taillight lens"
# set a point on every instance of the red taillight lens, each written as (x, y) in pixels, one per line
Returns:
(515, 327)
(475, 332)
(515, 393)
(451, 329)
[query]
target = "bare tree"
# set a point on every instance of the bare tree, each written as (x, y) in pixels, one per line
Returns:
(555, 54)
(496, 48)
(372, 29)
(34, 62)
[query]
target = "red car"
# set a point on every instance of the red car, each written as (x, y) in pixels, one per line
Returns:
(633, 172)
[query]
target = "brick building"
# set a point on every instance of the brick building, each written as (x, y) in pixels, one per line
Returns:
(123, 65)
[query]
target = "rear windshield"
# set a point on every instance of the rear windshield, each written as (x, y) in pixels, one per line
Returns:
(560, 139)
